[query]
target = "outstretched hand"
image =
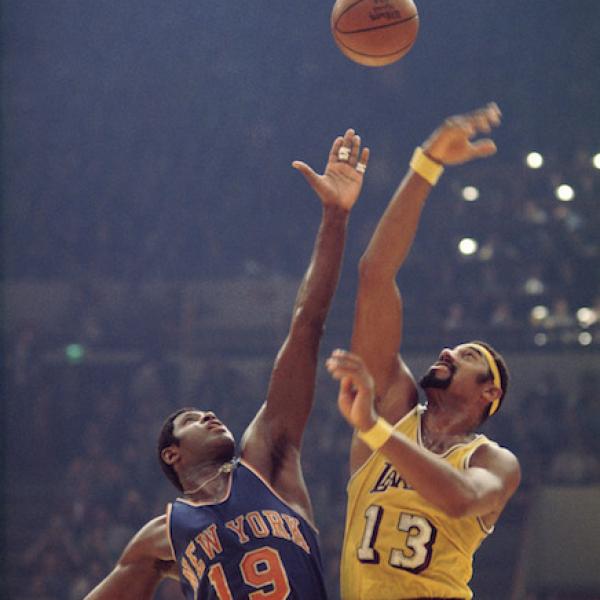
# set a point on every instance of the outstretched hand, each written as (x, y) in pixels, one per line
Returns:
(342, 180)
(356, 398)
(451, 143)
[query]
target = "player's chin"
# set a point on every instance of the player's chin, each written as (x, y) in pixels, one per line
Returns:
(224, 447)
(225, 436)
(433, 381)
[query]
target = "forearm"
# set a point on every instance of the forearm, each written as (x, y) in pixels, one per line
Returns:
(394, 235)
(446, 487)
(320, 280)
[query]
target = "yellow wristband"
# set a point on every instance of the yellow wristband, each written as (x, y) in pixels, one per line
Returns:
(428, 169)
(378, 435)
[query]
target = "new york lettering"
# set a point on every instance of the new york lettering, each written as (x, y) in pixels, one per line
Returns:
(207, 545)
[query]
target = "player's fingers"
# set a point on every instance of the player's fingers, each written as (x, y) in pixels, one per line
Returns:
(349, 363)
(464, 124)
(346, 356)
(307, 171)
(347, 386)
(494, 113)
(346, 148)
(482, 122)
(340, 357)
(355, 150)
(350, 133)
(341, 372)
(482, 148)
(346, 394)
(335, 148)
(363, 160)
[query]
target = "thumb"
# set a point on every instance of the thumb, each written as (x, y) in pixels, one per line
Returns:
(307, 171)
(482, 148)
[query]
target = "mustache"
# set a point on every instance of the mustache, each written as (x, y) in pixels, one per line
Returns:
(431, 380)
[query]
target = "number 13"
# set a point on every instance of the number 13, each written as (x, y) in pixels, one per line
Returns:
(419, 541)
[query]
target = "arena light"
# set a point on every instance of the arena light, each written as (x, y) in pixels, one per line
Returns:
(540, 339)
(586, 316)
(596, 160)
(534, 286)
(470, 193)
(74, 353)
(585, 338)
(534, 160)
(564, 192)
(467, 246)
(539, 312)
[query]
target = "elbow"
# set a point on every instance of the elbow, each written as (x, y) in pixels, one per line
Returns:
(371, 270)
(457, 509)
(461, 505)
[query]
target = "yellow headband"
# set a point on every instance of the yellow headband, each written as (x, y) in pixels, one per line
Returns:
(495, 373)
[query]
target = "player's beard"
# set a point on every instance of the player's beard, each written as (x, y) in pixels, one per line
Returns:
(431, 380)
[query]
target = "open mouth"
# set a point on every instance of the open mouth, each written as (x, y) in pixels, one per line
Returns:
(444, 364)
(215, 425)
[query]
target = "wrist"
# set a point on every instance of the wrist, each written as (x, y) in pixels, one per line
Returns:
(368, 422)
(377, 435)
(431, 156)
(427, 167)
(336, 211)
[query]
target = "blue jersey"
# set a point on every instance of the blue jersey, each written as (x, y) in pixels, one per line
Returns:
(250, 545)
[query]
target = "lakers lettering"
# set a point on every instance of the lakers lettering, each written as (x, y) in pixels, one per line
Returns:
(389, 477)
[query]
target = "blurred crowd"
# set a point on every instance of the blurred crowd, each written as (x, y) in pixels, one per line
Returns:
(527, 270)
(91, 473)
(527, 280)
(92, 477)
(153, 146)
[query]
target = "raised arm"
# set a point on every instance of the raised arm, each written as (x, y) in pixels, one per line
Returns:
(378, 320)
(280, 423)
(145, 562)
(482, 489)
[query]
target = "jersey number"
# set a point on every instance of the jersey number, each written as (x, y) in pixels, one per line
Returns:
(261, 568)
(420, 536)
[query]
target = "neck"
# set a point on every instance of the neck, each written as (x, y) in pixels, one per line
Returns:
(443, 426)
(208, 480)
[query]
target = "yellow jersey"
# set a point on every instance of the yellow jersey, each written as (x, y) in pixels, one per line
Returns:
(397, 544)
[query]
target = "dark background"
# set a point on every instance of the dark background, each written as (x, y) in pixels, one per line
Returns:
(150, 215)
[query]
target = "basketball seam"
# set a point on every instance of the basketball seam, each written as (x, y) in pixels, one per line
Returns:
(375, 55)
(349, 8)
(377, 27)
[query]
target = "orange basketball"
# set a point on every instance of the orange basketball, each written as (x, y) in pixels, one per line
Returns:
(374, 32)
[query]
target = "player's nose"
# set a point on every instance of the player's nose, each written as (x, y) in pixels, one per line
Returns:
(208, 416)
(446, 354)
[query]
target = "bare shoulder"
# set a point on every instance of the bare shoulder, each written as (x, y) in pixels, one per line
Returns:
(150, 542)
(146, 561)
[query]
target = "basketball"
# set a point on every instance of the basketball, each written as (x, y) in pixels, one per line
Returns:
(374, 32)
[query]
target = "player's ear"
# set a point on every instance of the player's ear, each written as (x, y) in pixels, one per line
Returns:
(491, 392)
(170, 454)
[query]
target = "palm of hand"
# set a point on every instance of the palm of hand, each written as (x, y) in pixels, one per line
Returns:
(340, 185)
(453, 146)
(453, 142)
